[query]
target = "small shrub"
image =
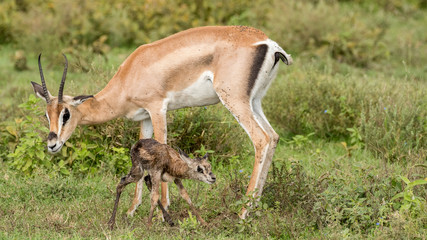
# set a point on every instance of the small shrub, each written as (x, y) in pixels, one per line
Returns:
(345, 37)
(211, 127)
(29, 152)
(87, 152)
(410, 202)
(395, 6)
(395, 132)
(315, 102)
(291, 190)
(7, 12)
(60, 23)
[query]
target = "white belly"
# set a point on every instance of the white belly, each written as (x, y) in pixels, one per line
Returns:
(200, 93)
(138, 115)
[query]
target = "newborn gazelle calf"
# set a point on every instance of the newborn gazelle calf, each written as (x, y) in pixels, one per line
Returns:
(165, 164)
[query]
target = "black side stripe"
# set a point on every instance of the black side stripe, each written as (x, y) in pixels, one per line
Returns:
(259, 57)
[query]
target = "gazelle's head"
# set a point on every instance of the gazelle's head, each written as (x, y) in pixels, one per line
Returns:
(61, 111)
(199, 168)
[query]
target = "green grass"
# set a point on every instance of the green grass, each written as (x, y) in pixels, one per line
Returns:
(316, 189)
(351, 112)
(79, 207)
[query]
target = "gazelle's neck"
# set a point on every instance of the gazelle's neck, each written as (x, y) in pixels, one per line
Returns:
(105, 106)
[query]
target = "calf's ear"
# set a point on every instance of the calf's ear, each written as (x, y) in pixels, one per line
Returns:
(184, 156)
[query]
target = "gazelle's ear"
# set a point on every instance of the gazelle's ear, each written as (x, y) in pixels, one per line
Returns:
(184, 156)
(38, 90)
(80, 99)
(206, 156)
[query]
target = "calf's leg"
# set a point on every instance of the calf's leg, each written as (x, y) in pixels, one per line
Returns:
(185, 195)
(134, 176)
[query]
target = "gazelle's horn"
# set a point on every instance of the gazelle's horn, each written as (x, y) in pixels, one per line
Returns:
(64, 75)
(46, 94)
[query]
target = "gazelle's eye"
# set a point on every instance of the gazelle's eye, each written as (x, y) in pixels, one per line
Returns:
(199, 169)
(66, 116)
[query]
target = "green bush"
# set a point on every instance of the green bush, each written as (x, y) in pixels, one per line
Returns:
(27, 149)
(106, 147)
(6, 28)
(290, 189)
(346, 37)
(211, 127)
(394, 6)
(41, 24)
(351, 112)
(86, 153)
(313, 101)
(387, 116)
(396, 131)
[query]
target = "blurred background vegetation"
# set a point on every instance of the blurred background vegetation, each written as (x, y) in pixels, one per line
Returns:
(351, 111)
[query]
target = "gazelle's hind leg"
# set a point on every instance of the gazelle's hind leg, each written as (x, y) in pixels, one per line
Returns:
(267, 78)
(264, 141)
(145, 132)
(252, 79)
(274, 139)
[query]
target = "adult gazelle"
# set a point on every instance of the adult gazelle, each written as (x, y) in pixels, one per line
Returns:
(234, 65)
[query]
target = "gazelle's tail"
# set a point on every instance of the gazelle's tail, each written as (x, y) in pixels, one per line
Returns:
(286, 58)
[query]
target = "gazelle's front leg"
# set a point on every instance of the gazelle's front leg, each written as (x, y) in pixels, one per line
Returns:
(158, 119)
(185, 195)
(145, 132)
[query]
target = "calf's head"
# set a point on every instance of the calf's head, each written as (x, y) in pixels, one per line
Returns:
(199, 168)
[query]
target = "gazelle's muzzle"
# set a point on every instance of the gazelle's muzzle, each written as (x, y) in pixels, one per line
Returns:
(53, 143)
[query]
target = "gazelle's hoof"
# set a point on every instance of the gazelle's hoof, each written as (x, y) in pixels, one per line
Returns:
(130, 212)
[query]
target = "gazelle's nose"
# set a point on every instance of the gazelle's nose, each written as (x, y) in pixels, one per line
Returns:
(53, 146)
(51, 136)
